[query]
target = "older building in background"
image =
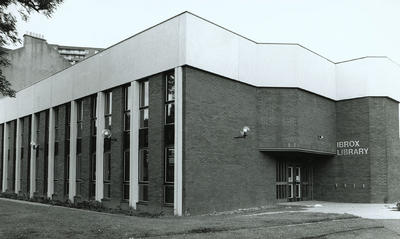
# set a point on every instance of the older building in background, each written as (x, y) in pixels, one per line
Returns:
(37, 60)
(75, 54)
(187, 117)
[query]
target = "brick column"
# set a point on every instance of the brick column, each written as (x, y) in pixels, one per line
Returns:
(72, 152)
(117, 157)
(85, 155)
(178, 161)
(156, 143)
(18, 156)
(59, 166)
(32, 181)
(11, 156)
(1, 155)
(50, 164)
(134, 146)
(5, 156)
(99, 146)
(40, 160)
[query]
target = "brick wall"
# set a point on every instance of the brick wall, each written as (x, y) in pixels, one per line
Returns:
(59, 166)
(293, 118)
(116, 147)
(1, 155)
(221, 172)
(85, 155)
(349, 173)
(392, 150)
(11, 157)
(156, 143)
(372, 177)
(378, 133)
(40, 175)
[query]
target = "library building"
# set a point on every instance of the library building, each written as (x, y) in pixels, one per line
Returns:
(189, 118)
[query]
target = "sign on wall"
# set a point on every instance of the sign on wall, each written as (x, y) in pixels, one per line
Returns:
(350, 147)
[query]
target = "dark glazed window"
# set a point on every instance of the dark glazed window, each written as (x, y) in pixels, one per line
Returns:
(56, 131)
(67, 147)
(93, 129)
(143, 141)
(169, 134)
(126, 141)
(79, 126)
(107, 144)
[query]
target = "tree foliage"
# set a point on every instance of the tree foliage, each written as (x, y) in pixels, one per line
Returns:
(8, 29)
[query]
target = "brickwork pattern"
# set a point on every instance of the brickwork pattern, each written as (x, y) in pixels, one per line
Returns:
(59, 166)
(117, 162)
(293, 118)
(85, 155)
(11, 157)
(378, 134)
(156, 143)
(40, 180)
(342, 178)
(1, 156)
(393, 150)
(220, 172)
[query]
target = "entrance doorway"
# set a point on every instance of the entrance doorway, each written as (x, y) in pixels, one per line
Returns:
(293, 181)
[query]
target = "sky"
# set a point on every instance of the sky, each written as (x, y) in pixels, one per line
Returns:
(336, 29)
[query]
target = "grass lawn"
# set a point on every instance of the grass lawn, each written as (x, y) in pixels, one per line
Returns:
(22, 220)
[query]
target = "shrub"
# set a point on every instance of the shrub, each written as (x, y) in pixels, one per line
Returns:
(398, 206)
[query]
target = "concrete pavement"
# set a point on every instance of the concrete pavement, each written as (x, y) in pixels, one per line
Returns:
(364, 210)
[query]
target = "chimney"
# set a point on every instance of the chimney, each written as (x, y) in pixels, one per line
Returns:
(31, 37)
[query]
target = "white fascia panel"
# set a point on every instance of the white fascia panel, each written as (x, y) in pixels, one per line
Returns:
(155, 50)
(350, 80)
(375, 76)
(314, 73)
(217, 50)
(267, 65)
(384, 78)
(211, 48)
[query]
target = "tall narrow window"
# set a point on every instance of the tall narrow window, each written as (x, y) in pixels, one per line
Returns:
(37, 151)
(56, 141)
(93, 131)
(79, 126)
(1, 156)
(46, 153)
(56, 132)
(143, 141)
(169, 131)
(67, 146)
(126, 143)
(22, 156)
(14, 155)
(107, 144)
(28, 168)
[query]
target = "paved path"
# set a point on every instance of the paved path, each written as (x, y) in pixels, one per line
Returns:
(364, 210)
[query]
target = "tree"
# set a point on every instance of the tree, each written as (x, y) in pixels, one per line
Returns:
(9, 33)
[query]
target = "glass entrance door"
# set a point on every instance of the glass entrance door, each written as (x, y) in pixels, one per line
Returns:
(297, 183)
(294, 181)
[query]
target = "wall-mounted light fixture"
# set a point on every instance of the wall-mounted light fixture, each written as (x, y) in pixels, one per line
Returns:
(320, 137)
(106, 133)
(34, 145)
(244, 132)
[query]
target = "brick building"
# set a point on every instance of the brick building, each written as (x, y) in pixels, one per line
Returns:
(154, 123)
